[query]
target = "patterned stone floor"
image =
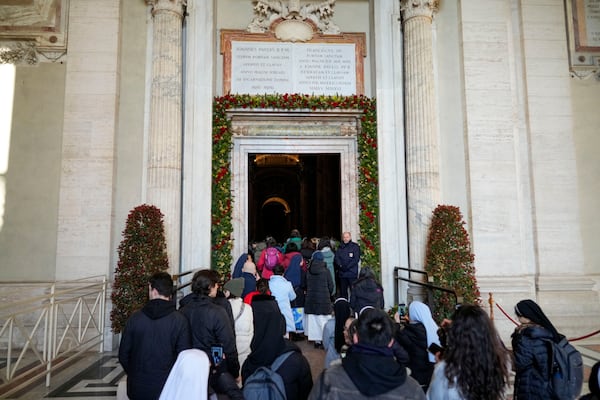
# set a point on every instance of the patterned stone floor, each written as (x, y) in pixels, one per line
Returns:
(96, 375)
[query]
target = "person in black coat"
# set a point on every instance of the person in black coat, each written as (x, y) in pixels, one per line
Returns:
(210, 324)
(269, 343)
(531, 353)
(147, 359)
(346, 261)
(415, 334)
(317, 304)
(366, 291)
(593, 384)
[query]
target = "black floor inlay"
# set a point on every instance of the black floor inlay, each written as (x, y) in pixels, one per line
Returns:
(98, 380)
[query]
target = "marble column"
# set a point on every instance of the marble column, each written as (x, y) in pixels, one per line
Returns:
(422, 154)
(163, 185)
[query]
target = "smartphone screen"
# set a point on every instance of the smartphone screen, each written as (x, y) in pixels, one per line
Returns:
(402, 310)
(434, 348)
(217, 354)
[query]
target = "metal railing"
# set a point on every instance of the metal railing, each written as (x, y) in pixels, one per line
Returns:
(182, 283)
(429, 287)
(43, 332)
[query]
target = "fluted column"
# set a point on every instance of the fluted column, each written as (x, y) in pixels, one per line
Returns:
(163, 186)
(422, 154)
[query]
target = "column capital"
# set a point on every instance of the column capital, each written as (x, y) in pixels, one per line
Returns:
(175, 6)
(418, 8)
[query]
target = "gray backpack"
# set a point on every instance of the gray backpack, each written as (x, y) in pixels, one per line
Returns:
(566, 369)
(265, 383)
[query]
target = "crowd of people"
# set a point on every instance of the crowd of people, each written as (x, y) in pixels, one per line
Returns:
(224, 332)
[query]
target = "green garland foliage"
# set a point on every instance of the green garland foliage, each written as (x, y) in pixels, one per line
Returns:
(449, 260)
(368, 174)
(142, 252)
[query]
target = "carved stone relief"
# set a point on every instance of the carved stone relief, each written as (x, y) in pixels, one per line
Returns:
(292, 21)
(33, 30)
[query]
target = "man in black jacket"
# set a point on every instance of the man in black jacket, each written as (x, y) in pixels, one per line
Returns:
(152, 339)
(210, 325)
(346, 260)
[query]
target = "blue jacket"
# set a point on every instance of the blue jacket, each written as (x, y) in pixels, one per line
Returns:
(347, 258)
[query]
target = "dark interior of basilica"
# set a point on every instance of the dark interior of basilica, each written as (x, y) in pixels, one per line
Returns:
(294, 191)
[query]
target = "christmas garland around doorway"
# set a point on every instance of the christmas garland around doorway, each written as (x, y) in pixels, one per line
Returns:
(222, 227)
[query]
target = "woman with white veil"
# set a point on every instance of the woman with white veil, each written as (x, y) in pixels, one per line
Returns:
(188, 378)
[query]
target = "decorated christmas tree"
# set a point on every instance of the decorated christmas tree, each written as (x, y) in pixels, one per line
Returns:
(449, 261)
(142, 252)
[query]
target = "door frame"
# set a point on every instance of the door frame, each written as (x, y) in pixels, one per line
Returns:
(243, 146)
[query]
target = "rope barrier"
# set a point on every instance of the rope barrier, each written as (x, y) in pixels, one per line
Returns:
(506, 315)
(570, 340)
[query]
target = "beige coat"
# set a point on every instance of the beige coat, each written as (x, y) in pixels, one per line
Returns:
(244, 327)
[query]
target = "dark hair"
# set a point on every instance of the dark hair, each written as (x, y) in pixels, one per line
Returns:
(270, 241)
(308, 244)
(324, 242)
(475, 356)
(375, 328)
(366, 272)
(291, 247)
(295, 233)
(262, 285)
(203, 281)
(163, 283)
(278, 269)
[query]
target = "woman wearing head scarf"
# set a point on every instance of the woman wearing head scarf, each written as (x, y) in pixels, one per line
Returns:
(268, 343)
(531, 352)
(415, 337)
(333, 331)
(188, 378)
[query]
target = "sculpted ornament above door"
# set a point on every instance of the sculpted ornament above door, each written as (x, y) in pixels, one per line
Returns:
(30, 28)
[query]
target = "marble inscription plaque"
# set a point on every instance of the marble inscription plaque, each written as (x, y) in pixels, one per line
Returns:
(587, 26)
(310, 68)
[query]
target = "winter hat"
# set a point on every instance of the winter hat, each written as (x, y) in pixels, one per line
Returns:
(235, 286)
(317, 255)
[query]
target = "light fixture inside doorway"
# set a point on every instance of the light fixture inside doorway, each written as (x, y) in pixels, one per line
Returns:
(276, 160)
(279, 200)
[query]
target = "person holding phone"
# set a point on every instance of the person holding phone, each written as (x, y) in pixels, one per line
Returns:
(417, 335)
(212, 329)
(217, 354)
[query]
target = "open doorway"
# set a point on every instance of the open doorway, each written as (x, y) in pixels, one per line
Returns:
(294, 191)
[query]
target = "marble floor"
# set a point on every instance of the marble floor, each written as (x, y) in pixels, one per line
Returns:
(96, 375)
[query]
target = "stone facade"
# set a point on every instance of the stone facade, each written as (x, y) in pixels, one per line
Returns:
(502, 125)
